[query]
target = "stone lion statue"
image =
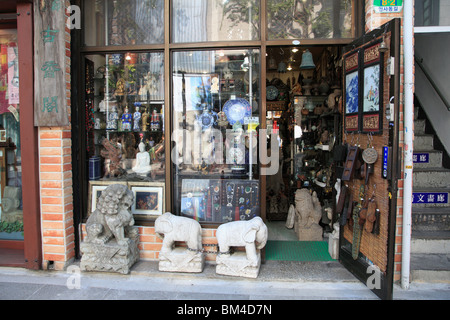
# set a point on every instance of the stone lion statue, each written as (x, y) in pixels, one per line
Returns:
(308, 214)
(112, 216)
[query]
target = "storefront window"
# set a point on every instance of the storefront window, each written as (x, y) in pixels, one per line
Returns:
(309, 19)
(123, 22)
(125, 127)
(431, 13)
(215, 20)
(215, 120)
(11, 214)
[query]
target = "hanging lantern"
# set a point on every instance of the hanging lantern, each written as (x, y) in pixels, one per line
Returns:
(307, 60)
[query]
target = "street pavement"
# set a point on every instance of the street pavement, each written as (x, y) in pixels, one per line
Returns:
(277, 281)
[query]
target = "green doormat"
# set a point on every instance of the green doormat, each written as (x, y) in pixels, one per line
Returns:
(297, 251)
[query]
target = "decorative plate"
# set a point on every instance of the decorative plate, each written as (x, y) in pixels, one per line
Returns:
(271, 93)
(237, 110)
(205, 120)
(370, 155)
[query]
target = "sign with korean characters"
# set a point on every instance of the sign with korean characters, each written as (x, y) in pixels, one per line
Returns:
(387, 6)
(50, 108)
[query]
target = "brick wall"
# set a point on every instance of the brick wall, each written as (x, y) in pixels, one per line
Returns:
(373, 21)
(55, 166)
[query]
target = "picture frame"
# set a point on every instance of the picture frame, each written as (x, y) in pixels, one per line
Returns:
(148, 200)
(372, 86)
(352, 92)
(95, 190)
(2, 135)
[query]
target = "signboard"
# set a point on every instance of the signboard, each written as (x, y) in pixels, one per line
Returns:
(387, 6)
(50, 108)
(421, 158)
(430, 197)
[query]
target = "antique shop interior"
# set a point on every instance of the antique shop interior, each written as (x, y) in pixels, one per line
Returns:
(215, 177)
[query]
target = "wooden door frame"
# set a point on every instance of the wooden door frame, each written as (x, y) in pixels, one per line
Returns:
(32, 243)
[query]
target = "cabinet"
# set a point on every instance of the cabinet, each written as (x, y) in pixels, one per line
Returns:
(124, 109)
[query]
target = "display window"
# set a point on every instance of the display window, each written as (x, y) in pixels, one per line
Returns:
(124, 96)
(309, 19)
(11, 213)
(215, 20)
(216, 98)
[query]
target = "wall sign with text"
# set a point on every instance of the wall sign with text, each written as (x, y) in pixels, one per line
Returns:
(50, 108)
(387, 6)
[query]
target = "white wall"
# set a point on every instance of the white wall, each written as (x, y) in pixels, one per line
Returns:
(433, 49)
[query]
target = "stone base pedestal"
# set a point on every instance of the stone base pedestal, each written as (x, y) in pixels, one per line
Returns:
(181, 260)
(313, 233)
(109, 257)
(237, 265)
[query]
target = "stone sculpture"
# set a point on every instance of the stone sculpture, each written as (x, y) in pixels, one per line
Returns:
(171, 228)
(112, 240)
(251, 234)
(308, 214)
(10, 203)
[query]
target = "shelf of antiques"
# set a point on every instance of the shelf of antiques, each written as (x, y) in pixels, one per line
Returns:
(215, 116)
(125, 117)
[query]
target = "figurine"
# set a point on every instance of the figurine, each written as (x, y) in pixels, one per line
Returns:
(136, 118)
(142, 165)
(112, 119)
(144, 119)
(126, 120)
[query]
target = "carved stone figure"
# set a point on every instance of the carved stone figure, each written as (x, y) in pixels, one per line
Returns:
(171, 228)
(112, 241)
(308, 214)
(12, 196)
(251, 234)
(142, 166)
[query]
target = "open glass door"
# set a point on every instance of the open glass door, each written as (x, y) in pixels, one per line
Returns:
(366, 203)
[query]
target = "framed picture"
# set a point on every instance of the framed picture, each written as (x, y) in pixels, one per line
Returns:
(148, 198)
(372, 90)
(352, 92)
(95, 191)
(2, 135)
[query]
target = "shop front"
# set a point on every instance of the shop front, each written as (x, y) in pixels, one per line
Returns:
(223, 111)
(20, 243)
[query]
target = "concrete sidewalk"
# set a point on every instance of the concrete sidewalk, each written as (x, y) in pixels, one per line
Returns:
(277, 281)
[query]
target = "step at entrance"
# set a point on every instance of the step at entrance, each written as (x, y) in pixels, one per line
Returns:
(430, 243)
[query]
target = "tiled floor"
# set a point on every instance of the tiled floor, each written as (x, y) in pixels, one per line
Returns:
(278, 231)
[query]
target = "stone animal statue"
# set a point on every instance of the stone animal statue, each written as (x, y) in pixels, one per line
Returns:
(308, 214)
(243, 234)
(112, 217)
(171, 228)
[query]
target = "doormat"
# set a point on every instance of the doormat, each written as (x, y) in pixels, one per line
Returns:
(297, 251)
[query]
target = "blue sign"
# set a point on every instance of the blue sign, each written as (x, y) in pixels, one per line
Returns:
(421, 157)
(385, 162)
(430, 197)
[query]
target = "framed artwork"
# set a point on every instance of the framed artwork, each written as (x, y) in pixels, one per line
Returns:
(352, 92)
(372, 90)
(2, 135)
(148, 198)
(95, 191)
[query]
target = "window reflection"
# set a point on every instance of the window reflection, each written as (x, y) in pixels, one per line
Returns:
(309, 19)
(215, 114)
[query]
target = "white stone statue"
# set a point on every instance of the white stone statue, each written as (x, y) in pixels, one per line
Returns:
(308, 214)
(142, 165)
(171, 228)
(252, 235)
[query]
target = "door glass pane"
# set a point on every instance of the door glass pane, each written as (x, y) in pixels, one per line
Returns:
(309, 19)
(123, 22)
(215, 20)
(11, 214)
(124, 101)
(215, 116)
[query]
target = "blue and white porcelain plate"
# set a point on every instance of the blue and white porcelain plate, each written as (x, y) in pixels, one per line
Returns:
(236, 110)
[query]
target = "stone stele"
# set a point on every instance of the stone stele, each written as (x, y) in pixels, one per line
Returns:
(112, 240)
